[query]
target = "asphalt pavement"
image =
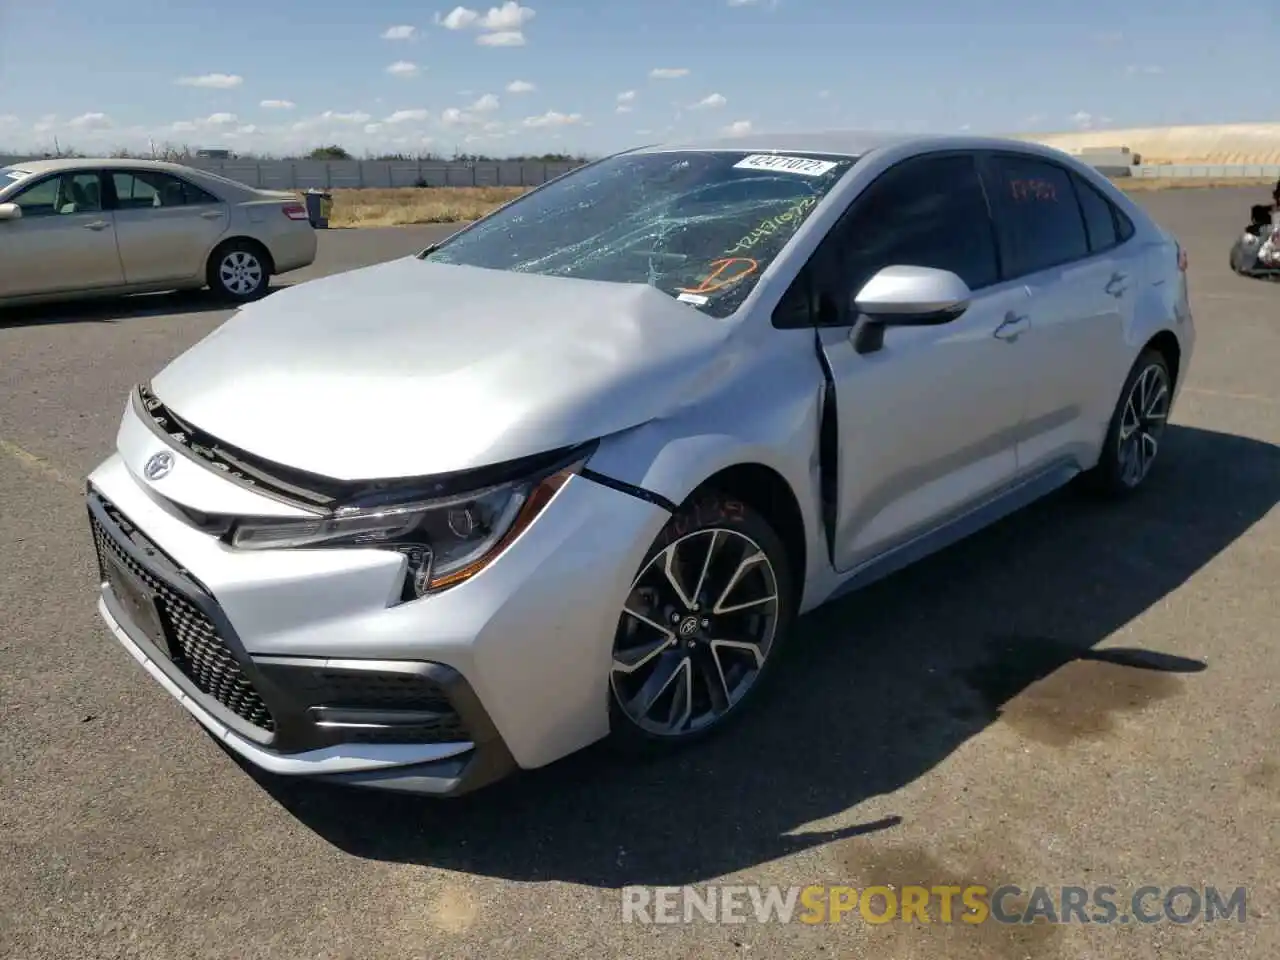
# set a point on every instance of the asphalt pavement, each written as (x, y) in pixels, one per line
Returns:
(1084, 695)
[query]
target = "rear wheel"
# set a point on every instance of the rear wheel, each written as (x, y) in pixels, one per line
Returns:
(701, 626)
(238, 271)
(1137, 427)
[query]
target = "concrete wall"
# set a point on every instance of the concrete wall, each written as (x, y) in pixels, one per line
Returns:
(303, 174)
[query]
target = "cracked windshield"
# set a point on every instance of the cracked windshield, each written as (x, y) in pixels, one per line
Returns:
(700, 226)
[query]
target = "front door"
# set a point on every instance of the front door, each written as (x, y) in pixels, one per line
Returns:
(928, 423)
(166, 226)
(63, 242)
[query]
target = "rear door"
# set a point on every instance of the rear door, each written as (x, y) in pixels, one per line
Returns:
(1053, 238)
(63, 242)
(165, 225)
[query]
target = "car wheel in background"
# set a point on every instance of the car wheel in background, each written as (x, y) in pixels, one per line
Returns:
(238, 271)
(701, 626)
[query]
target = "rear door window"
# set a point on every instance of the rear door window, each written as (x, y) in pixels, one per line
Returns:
(1099, 216)
(1038, 219)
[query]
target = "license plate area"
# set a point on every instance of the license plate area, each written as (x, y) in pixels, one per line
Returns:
(137, 601)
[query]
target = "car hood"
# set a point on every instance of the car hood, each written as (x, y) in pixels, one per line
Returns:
(411, 368)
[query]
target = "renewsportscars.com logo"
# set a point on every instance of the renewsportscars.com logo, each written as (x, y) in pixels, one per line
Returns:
(972, 904)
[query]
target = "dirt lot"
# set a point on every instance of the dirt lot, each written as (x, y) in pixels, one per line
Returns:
(1082, 695)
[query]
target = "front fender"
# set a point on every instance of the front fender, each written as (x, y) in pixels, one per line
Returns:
(770, 421)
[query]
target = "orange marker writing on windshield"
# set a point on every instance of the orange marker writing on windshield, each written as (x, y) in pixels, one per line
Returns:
(717, 278)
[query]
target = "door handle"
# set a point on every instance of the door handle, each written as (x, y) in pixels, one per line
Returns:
(97, 225)
(212, 214)
(1012, 327)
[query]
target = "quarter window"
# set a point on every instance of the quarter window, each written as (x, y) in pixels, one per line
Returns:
(1099, 216)
(60, 195)
(1039, 220)
(144, 190)
(925, 212)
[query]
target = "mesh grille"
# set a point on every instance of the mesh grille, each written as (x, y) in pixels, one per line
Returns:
(194, 644)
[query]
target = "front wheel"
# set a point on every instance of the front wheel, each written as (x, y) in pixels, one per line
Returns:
(238, 272)
(1137, 427)
(701, 625)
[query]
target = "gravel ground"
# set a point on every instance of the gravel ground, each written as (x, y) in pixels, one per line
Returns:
(1083, 699)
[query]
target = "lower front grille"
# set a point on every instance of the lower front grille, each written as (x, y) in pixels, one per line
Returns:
(193, 641)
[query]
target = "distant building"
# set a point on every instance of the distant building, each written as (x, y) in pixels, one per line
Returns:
(213, 154)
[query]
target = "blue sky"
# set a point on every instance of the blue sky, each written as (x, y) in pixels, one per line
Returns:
(563, 75)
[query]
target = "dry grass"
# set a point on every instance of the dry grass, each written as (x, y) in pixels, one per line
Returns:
(390, 208)
(398, 207)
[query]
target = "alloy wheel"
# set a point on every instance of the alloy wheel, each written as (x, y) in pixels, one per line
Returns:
(240, 272)
(695, 632)
(1146, 410)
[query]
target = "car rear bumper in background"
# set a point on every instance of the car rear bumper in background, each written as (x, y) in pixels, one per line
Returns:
(294, 248)
(321, 672)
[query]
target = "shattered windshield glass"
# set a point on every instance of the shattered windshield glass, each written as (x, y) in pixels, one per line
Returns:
(701, 226)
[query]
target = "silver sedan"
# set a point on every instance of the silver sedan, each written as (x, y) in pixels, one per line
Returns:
(72, 228)
(573, 472)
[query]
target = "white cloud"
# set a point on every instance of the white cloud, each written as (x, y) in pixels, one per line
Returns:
(493, 127)
(509, 16)
(627, 96)
(1082, 119)
(372, 127)
(400, 32)
(486, 104)
(520, 86)
(459, 18)
(220, 119)
(623, 108)
(741, 3)
(669, 73)
(277, 104)
(403, 68)
(824, 94)
(553, 119)
(453, 117)
(710, 102)
(405, 116)
(90, 121)
(739, 128)
(212, 81)
(46, 123)
(503, 38)
(248, 130)
(7, 118)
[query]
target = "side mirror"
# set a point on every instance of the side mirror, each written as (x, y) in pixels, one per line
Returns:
(10, 211)
(903, 296)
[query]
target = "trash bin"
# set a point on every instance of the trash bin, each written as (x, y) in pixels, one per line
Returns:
(319, 205)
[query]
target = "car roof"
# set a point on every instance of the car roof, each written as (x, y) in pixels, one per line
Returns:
(853, 143)
(229, 189)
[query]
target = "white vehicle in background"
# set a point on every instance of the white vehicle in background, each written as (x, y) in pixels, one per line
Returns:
(84, 227)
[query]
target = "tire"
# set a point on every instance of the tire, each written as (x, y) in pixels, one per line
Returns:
(238, 271)
(1147, 391)
(708, 678)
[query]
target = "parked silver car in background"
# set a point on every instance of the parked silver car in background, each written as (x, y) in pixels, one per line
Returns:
(73, 228)
(575, 471)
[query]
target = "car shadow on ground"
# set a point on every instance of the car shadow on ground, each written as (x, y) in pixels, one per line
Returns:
(875, 690)
(116, 309)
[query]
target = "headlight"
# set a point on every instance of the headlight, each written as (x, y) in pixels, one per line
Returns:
(446, 539)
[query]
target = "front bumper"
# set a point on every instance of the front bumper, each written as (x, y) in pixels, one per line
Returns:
(304, 663)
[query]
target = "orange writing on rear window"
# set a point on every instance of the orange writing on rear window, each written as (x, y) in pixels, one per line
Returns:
(1033, 190)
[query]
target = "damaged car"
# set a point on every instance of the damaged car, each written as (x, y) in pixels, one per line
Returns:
(574, 472)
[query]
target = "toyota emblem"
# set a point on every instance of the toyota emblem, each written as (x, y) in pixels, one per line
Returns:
(159, 465)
